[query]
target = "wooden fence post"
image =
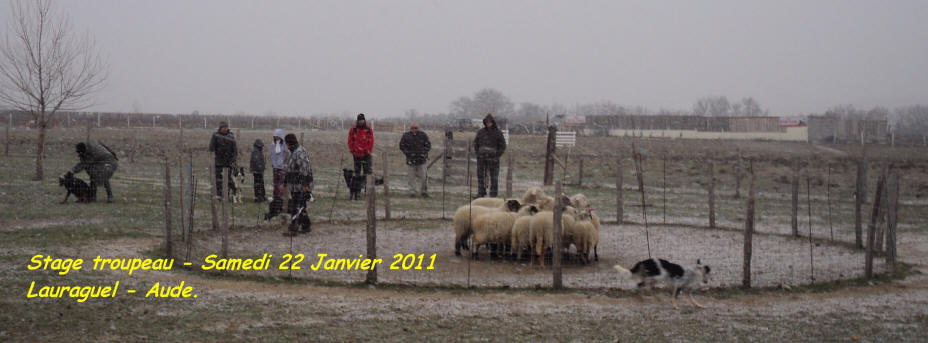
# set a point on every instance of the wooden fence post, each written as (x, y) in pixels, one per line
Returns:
(226, 177)
(892, 217)
(639, 169)
(214, 192)
(550, 148)
(180, 174)
(87, 137)
(860, 194)
(831, 229)
(794, 207)
(168, 249)
(748, 229)
(881, 221)
(386, 186)
(619, 202)
(811, 243)
(738, 171)
(371, 229)
(509, 175)
(556, 244)
(711, 195)
(133, 147)
(664, 189)
(875, 215)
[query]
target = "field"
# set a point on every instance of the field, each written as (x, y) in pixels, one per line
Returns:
(473, 300)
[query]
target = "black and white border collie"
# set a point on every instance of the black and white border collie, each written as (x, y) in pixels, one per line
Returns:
(678, 277)
(235, 189)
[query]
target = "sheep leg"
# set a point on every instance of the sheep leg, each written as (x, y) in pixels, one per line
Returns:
(596, 253)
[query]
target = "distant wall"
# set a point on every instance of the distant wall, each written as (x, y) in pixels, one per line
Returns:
(793, 134)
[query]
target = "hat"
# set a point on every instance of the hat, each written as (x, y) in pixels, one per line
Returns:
(361, 116)
(223, 124)
(290, 139)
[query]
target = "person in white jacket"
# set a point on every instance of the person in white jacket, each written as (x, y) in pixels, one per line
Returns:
(278, 155)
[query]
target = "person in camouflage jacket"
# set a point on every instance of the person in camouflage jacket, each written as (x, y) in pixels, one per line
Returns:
(100, 163)
(299, 181)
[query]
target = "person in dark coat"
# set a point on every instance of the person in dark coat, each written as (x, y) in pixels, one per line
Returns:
(360, 143)
(489, 146)
(100, 163)
(223, 147)
(257, 169)
(415, 145)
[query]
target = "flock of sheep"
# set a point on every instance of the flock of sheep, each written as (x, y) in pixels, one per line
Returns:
(511, 227)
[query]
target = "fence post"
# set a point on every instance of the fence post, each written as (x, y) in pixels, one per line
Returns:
(892, 217)
(860, 194)
(87, 137)
(386, 186)
(794, 207)
(875, 215)
(212, 197)
(831, 229)
(639, 169)
(371, 229)
(556, 244)
(225, 212)
(664, 189)
(509, 175)
(711, 194)
(444, 170)
(738, 176)
(811, 243)
(168, 249)
(550, 148)
(748, 230)
(619, 203)
(180, 174)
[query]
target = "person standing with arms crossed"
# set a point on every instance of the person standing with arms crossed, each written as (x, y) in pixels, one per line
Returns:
(415, 145)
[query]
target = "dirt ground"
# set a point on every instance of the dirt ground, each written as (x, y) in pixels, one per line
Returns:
(777, 260)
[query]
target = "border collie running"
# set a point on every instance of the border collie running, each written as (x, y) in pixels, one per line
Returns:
(655, 270)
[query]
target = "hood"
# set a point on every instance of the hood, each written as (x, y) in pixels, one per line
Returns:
(279, 133)
(259, 144)
(489, 118)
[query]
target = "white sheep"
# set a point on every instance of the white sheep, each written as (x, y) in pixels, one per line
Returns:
(521, 236)
(531, 196)
(466, 215)
(580, 232)
(496, 227)
(541, 230)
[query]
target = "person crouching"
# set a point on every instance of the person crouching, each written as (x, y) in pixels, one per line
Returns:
(298, 179)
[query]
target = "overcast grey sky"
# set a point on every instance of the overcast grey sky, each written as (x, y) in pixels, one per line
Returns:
(383, 57)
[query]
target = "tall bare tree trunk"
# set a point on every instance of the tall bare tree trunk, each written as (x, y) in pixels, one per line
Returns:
(40, 151)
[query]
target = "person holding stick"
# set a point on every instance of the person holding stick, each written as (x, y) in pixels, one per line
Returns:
(299, 181)
(222, 145)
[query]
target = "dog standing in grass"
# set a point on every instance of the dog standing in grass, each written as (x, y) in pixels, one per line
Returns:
(678, 277)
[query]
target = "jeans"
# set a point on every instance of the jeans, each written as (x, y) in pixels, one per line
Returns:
(259, 187)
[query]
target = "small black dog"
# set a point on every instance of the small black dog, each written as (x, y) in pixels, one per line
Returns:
(357, 184)
(73, 185)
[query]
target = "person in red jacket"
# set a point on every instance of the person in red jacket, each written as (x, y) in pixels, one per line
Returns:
(361, 143)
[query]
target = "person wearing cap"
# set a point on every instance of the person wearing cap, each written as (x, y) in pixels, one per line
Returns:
(278, 155)
(415, 145)
(361, 143)
(299, 181)
(256, 168)
(489, 145)
(223, 147)
(100, 163)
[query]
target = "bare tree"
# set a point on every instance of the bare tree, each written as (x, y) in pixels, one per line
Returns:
(45, 68)
(485, 101)
(712, 106)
